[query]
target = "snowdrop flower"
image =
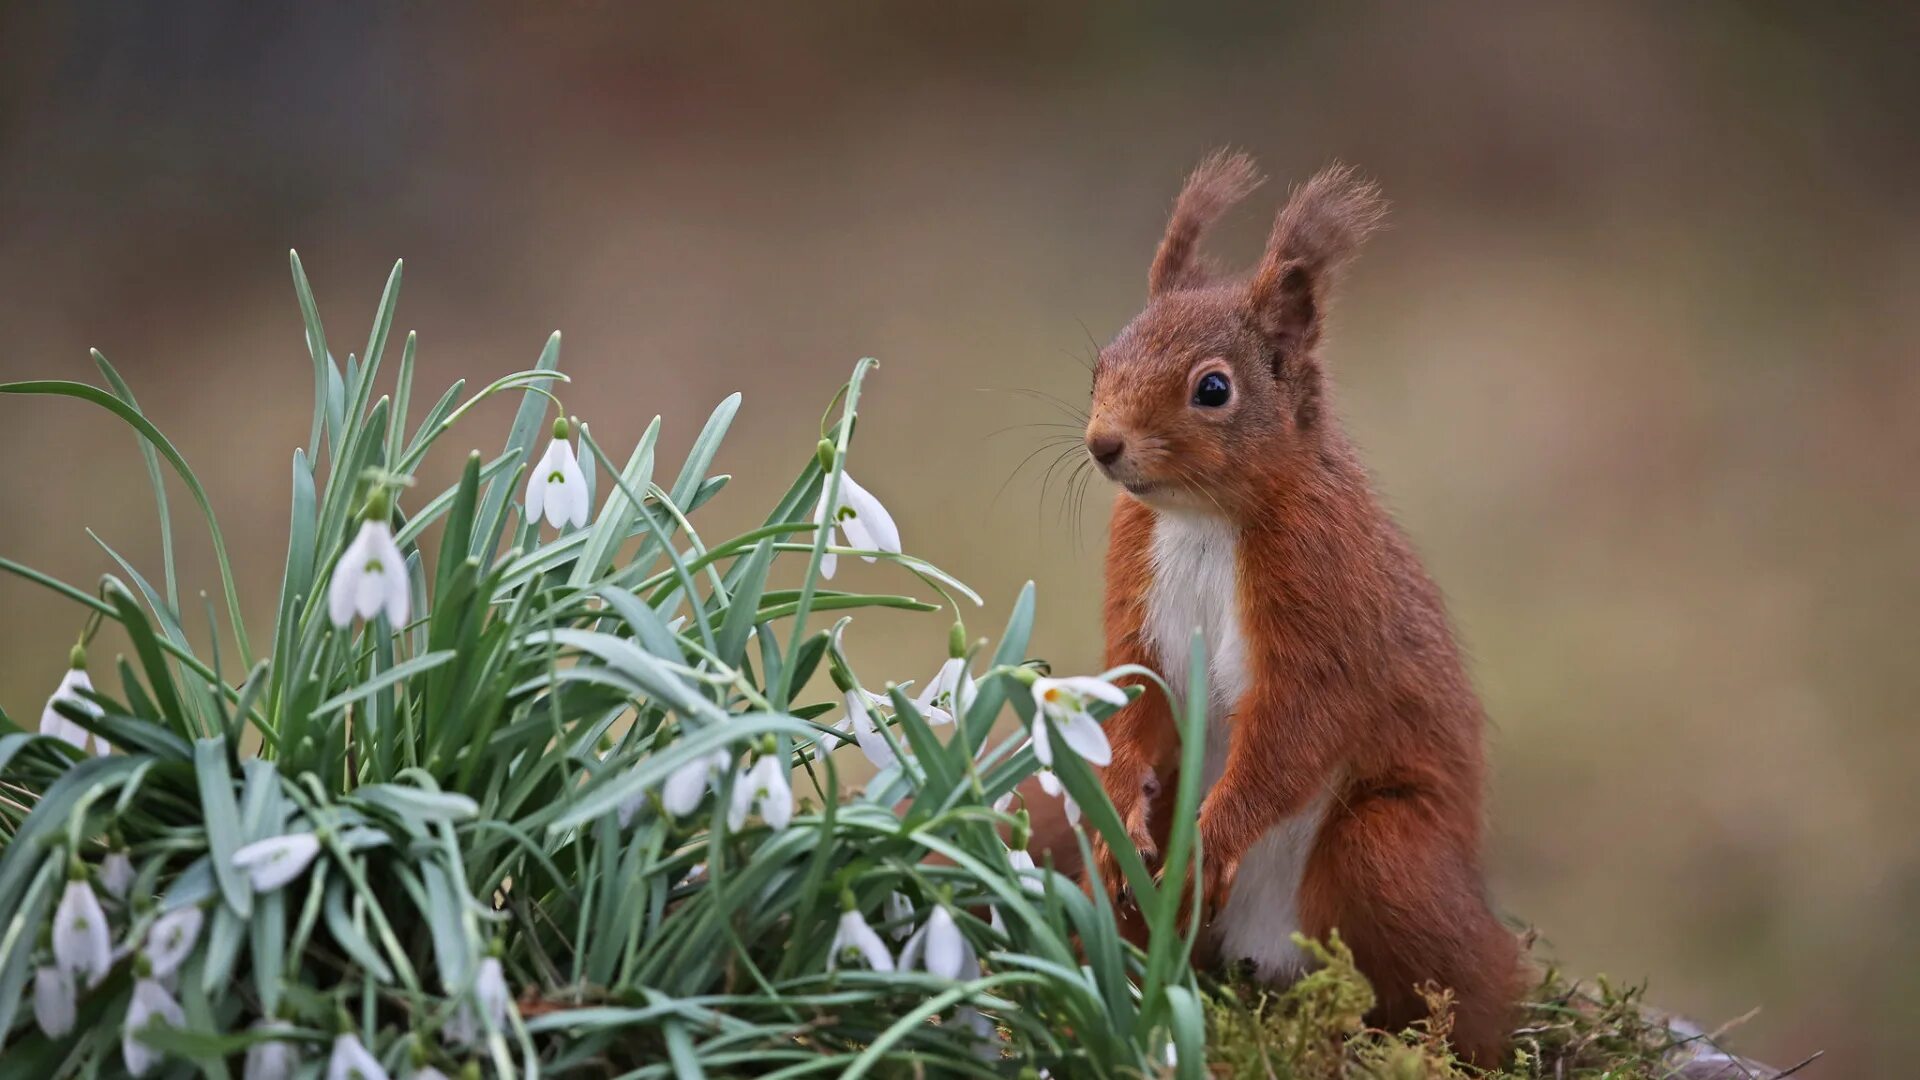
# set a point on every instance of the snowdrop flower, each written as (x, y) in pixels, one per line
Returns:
(1050, 783)
(81, 943)
(271, 1059)
(867, 523)
(352, 1061)
(765, 786)
(939, 947)
(54, 1008)
(273, 862)
(629, 808)
(951, 690)
(866, 731)
(116, 873)
(688, 784)
(856, 938)
(371, 576)
(171, 939)
(151, 1003)
(1004, 802)
(1064, 701)
(557, 488)
(68, 693)
(899, 910)
(490, 998)
(1024, 868)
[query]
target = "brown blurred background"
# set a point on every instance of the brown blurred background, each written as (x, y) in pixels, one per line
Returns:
(1635, 363)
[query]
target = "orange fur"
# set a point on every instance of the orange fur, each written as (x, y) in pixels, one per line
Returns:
(1354, 680)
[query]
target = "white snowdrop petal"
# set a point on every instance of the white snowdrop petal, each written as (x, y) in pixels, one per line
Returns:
(1098, 689)
(1073, 809)
(490, 992)
(741, 802)
(537, 488)
(899, 910)
(151, 1003)
(271, 1059)
(856, 936)
(273, 862)
(343, 591)
(352, 1061)
(828, 560)
(858, 536)
(1084, 735)
(54, 1006)
(1042, 742)
(395, 594)
(116, 874)
(946, 946)
(171, 940)
(685, 787)
(914, 950)
(1050, 782)
(775, 794)
(577, 508)
(885, 535)
(82, 945)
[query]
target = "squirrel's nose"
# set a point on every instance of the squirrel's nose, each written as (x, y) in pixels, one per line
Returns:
(1105, 448)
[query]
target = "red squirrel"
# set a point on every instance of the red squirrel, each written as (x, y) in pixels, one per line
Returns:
(1344, 767)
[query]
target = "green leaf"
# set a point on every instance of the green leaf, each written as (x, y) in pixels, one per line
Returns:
(611, 526)
(397, 673)
(222, 821)
(415, 803)
(521, 440)
(154, 478)
(742, 606)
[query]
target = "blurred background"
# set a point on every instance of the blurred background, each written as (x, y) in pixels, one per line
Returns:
(1634, 365)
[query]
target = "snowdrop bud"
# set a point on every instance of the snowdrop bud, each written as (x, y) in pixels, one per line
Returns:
(151, 1004)
(957, 641)
(54, 1007)
(351, 1060)
(825, 453)
(82, 946)
(271, 1059)
(898, 911)
(68, 693)
(116, 874)
(277, 860)
(562, 429)
(1022, 830)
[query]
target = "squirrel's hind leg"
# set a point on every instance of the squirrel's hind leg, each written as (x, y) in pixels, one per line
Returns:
(1409, 903)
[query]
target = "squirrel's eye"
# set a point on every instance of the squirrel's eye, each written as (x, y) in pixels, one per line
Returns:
(1213, 390)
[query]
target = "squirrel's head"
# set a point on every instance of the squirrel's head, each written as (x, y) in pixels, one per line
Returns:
(1218, 381)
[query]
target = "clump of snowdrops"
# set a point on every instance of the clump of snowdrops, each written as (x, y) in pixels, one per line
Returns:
(529, 776)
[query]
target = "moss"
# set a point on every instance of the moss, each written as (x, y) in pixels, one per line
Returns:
(1315, 1030)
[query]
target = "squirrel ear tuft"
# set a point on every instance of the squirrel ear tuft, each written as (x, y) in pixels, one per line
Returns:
(1316, 234)
(1222, 178)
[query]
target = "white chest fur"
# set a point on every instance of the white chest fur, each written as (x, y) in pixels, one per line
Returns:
(1195, 574)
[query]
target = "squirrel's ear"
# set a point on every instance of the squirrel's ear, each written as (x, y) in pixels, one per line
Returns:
(1317, 232)
(1222, 178)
